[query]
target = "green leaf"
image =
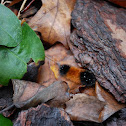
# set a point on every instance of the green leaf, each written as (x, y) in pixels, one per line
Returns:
(4, 121)
(26, 45)
(10, 28)
(11, 66)
(13, 61)
(30, 47)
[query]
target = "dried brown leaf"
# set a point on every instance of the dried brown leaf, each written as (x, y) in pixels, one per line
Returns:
(84, 108)
(53, 20)
(24, 90)
(28, 94)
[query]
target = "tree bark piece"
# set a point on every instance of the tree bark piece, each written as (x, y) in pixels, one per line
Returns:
(6, 94)
(99, 43)
(43, 115)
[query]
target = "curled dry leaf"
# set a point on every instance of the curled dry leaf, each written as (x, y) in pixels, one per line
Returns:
(84, 108)
(28, 94)
(24, 90)
(53, 20)
(43, 115)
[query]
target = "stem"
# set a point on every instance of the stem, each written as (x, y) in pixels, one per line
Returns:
(2, 2)
(22, 6)
(27, 6)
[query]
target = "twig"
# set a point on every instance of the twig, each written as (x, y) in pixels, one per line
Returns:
(21, 8)
(4, 2)
(26, 8)
(9, 107)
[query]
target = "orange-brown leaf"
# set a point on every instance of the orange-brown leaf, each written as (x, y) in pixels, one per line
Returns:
(53, 20)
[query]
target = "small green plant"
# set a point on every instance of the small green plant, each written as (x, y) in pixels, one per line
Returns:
(18, 44)
(4, 121)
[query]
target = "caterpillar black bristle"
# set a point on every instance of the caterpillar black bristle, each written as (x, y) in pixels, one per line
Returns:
(63, 69)
(87, 78)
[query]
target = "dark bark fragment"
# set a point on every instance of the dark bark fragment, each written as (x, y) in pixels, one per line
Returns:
(32, 71)
(43, 115)
(99, 43)
(6, 94)
(118, 119)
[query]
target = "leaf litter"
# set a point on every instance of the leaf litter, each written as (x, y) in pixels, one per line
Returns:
(90, 104)
(81, 103)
